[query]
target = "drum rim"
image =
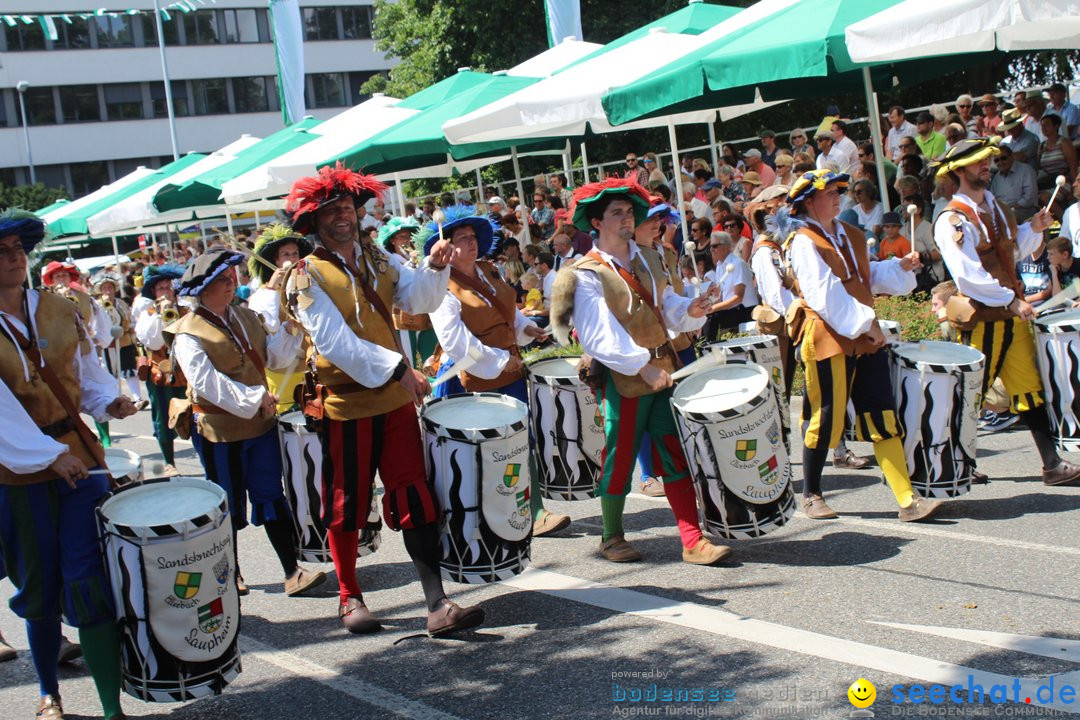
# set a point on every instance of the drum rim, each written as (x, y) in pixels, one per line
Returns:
(498, 432)
(212, 516)
(1053, 322)
(537, 377)
(912, 363)
(763, 396)
(760, 341)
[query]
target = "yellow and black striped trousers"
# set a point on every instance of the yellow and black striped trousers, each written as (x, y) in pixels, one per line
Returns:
(1009, 347)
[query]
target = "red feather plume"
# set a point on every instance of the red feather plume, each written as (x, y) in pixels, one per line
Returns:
(308, 194)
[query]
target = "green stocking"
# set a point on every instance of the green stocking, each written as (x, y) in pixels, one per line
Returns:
(103, 433)
(536, 498)
(611, 510)
(101, 650)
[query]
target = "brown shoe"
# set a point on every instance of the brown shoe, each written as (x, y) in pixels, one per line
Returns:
(652, 487)
(705, 553)
(49, 708)
(919, 509)
(6, 651)
(618, 550)
(241, 586)
(69, 651)
(850, 461)
(450, 617)
(1062, 474)
(815, 508)
(356, 617)
(303, 580)
(549, 523)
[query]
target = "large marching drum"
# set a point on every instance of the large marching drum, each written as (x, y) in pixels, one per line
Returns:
(1057, 349)
(568, 429)
(301, 453)
(730, 428)
(171, 561)
(763, 350)
(477, 454)
(938, 390)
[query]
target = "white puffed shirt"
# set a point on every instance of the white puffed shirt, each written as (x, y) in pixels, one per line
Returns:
(604, 338)
(418, 291)
(767, 277)
(1070, 226)
(456, 339)
(962, 260)
(219, 389)
(824, 293)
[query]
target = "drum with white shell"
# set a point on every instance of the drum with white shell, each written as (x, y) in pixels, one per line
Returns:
(476, 448)
(169, 552)
(730, 430)
(763, 350)
(1057, 351)
(125, 466)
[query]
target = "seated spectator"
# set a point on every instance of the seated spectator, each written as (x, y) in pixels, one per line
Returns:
(754, 163)
(799, 144)
(737, 227)
(511, 225)
(923, 243)
(931, 143)
(899, 128)
(731, 157)
(1014, 184)
(867, 155)
(954, 133)
(829, 155)
(784, 163)
(1034, 274)
(1070, 114)
(803, 164)
(844, 144)
(908, 146)
(751, 184)
(1057, 156)
(768, 147)
(534, 297)
(1064, 269)
(1035, 107)
(940, 116)
(700, 229)
(541, 215)
(1024, 144)
(732, 190)
(987, 124)
(944, 189)
(964, 105)
(892, 243)
(563, 250)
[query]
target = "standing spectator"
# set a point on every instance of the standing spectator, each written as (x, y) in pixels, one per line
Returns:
(1070, 114)
(559, 189)
(1023, 143)
(933, 270)
(1070, 220)
(1057, 156)
(799, 143)
(768, 152)
(931, 143)
(755, 163)
(656, 175)
(844, 144)
(964, 106)
(829, 155)
(988, 123)
(1034, 106)
(1014, 184)
(899, 129)
(542, 216)
(751, 183)
(635, 172)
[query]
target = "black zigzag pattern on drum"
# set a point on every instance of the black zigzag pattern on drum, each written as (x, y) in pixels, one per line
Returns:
(727, 414)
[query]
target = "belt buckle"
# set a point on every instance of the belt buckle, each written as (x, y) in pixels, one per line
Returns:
(658, 352)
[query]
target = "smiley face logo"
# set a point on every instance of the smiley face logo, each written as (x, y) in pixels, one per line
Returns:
(862, 693)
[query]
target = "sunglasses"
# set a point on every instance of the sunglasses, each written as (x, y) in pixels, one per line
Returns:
(631, 160)
(731, 224)
(963, 106)
(714, 247)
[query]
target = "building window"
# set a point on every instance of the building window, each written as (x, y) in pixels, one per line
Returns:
(171, 28)
(320, 24)
(74, 35)
(79, 103)
(327, 90)
(356, 81)
(127, 166)
(88, 176)
(211, 96)
(241, 26)
(114, 31)
(7, 177)
(251, 94)
(52, 176)
(40, 108)
(181, 106)
(356, 22)
(200, 28)
(3, 109)
(123, 101)
(22, 36)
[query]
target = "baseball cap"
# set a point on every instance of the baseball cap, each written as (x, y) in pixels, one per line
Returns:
(924, 117)
(891, 218)
(752, 152)
(712, 184)
(496, 200)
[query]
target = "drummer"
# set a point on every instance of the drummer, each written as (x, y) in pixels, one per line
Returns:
(164, 381)
(479, 314)
(48, 528)
(277, 245)
(417, 336)
(840, 342)
(609, 297)
(978, 238)
(343, 299)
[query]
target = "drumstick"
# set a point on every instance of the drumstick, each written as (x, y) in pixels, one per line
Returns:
(713, 358)
(460, 366)
(244, 251)
(439, 217)
(1061, 298)
(1059, 181)
(690, 249)
(911, 214)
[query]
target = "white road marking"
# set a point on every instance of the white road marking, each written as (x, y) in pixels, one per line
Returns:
(391, 702)
(1051, 647)
(781, 637)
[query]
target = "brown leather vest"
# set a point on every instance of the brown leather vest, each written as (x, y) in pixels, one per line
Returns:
(488, 324)
(996, 253)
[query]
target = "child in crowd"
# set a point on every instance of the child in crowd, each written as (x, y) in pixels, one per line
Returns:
(534, 299)
(892, 243)
(1063, 267)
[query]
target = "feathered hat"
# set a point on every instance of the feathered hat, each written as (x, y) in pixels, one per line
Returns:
(810, 182)
(965, 152)
(101, 278)
(593, 192)
(459, 215)
(153, 273)
(661, 208)
(330, 185)
(56, 266)
(392, 227)
(28, 227)
(206, 269)
(267, 245)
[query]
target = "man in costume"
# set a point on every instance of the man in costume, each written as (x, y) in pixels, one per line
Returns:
(48, 529)
(367, 388)
(164, 381)
(979, 241)
(840, 342)
(224, 351)
(479, 314)
(620, 302)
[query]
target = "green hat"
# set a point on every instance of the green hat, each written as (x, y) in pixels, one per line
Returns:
(267, 245)
(629, 190)
(393, 226)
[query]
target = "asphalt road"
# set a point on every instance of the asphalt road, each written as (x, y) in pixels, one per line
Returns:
(985, 594)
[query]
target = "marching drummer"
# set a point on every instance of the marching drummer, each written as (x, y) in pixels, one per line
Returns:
(979, 238)
(368, 388)
(164, 381)
(48, 528)
(840, 342)
(479, 315)
(622, 307)
(224, 351)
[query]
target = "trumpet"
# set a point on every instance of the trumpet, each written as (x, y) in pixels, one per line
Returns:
(169, 313)
(106, 304)
(65, 292)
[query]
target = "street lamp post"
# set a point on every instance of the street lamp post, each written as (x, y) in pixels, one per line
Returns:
(22, 87)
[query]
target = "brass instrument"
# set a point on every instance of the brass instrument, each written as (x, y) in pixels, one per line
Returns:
(106, 304)
(169, 313)
(65, 292)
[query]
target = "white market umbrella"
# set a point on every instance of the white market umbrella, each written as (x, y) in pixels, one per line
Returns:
(917, 28)
(103, 192)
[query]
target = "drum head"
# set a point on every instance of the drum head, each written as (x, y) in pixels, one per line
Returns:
(477, 411)
(122, 463)
(560, 367)
(749, 341)
(938, 352)
(294, 418)
(721, 388)
(155, 504)
(1064, 321)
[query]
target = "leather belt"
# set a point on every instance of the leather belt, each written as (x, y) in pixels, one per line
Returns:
(660, 352)
(207, 410)
(59, 428)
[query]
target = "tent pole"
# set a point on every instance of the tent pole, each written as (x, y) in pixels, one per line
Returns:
(521, 195)
(400, 195)
(256, 220)
(678, 187)
(168, 241)
(712, 146)
(584, 163)
(875, 134)
(568, 166)
(228, 224)
(480, 187)
(116, 255)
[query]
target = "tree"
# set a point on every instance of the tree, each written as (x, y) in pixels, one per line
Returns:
(30, 197)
